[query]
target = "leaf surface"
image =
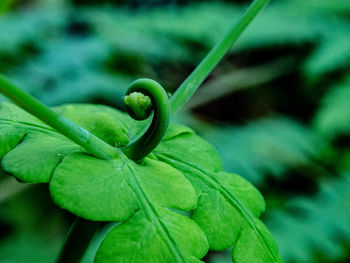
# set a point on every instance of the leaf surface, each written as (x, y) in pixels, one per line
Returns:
(184, 173)
(309, 224)
(223, 199)
(106, 190)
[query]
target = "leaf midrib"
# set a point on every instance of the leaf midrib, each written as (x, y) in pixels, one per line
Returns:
(212, 183)
(152, 213)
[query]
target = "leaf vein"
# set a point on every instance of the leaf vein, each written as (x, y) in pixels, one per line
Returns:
(212, 183)
(154, 216)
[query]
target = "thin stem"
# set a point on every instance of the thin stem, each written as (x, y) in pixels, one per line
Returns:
(77, 240)
(148, 140)
(195, 79)
(88, 141)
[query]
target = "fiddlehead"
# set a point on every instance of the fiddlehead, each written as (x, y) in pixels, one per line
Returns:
(143, 97)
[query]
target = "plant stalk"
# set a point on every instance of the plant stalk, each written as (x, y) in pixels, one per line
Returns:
(149, 139)
(77, 241)
(195, 79)
(88, 141)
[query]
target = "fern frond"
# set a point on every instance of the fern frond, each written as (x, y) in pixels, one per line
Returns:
(333, 116)
(315, 229)
(267, 146)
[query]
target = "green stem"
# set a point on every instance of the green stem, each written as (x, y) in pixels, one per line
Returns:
(195, 79)
(88, 141)
(148, 140)
(77, 240)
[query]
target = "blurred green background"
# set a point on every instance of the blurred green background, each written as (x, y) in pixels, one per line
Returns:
(277, 108)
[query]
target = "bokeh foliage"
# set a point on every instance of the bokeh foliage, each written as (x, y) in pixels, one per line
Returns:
(276, 108)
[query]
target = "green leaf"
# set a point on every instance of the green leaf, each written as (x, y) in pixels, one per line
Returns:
(16, 33)
(116, 185)
(115, 189)
(315, 228)
(105, 190)
(137, 241)
(267, 146)
(324, 59)
(70, 71)
(223, 198)
(333, 117)
(40, 144)
(184, 173)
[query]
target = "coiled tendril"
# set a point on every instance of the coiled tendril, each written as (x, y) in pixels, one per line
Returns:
(143, 97)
